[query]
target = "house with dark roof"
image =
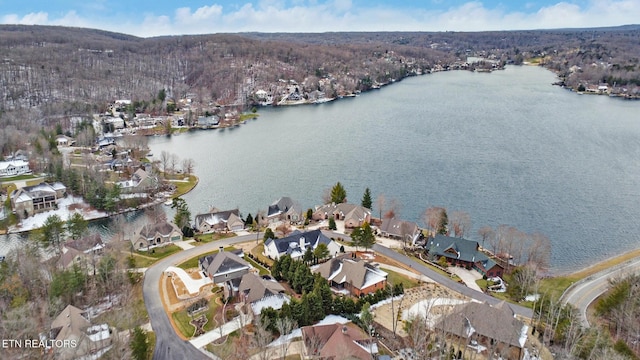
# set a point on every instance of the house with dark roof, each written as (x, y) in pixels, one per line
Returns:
(494, 327)
(225, 269)
(296, 244)
(284, 209)
(463, 252)
(337, 341)
(140, 181)
(259, 293)
(84, 252)
(156, 234)
(353, 215)
(72, 325)
(352, 276)
(216, 221)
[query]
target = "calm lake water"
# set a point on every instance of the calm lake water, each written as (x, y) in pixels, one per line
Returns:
(506, 147)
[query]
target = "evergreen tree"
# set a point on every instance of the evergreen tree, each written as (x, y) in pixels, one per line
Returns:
(77, 225)
(338, 194)
(268, 234)
(366, 199)
(367, 238)
(182, 217)
(332, 224)
(321, 252)
(139, 344)
(249, 220)
(443, 223)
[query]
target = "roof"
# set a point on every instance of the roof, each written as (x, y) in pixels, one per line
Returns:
(356, 272)
(455, 248)
(338, 341)
(394, 227)
(255, 287)
(164, 228)
(346, 211)
(70, 323)
(215, 217)
(222, 262)
(291, 243)
(86, 243)
(14, 163)
(280, 206)
(495, 322)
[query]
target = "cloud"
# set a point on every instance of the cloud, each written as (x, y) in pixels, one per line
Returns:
(344, 15)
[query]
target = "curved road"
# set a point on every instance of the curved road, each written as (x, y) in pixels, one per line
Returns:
(584, 292)
(170, 346)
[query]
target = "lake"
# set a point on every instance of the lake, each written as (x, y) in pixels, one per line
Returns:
(506, 147)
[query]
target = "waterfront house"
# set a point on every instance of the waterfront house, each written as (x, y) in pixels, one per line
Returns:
(30, 200)
(353, 215)
(492, 327)
(337, 341)
(155, 234)
(296, 244)
(225, 269)
(73, 325)
(217, 221)
(284, 209)
(352, 276)
(259, 293)
(400, 229)
(141, 181)
(464, 253)
(83, 252)
(14, 168)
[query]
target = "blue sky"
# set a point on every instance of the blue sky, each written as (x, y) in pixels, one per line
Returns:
(153, 18)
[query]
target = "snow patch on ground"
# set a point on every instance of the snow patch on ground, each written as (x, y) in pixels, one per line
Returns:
(64, 212)
(422, 308)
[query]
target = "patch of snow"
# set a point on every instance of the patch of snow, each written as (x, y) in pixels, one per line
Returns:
(37, 221)
(533, 297)
(329, 319)
(422, 308)
(274, 301)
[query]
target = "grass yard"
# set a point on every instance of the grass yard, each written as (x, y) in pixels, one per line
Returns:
(142, 261)
(396, 278)
(183, 187)
(161, 252)
(207, 238)
(193, 262)
(181, 319)
(258, 253)
(151, 340)
(261, 269)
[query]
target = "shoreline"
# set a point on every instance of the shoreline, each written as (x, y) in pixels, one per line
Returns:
(600, 265)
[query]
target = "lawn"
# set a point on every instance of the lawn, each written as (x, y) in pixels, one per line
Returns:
(258, 253)
(261, 269)
(151, 340)
(142, 262)
(207, 238)
(183, 187)
(161, 252)
(193, 262)
(396, 278)
(182, 319)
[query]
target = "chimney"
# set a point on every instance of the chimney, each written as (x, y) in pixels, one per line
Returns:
(302, 243)
(221, 249)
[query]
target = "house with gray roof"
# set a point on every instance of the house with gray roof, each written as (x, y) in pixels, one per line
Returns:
(400, 229)
(156, 234)
(353, 215)
(226, 269)
(494, 327)
(296, 244)
(259, 293)
(284, 209)
(217, 221)
(463, 252)
(352, 276)
(34, 199)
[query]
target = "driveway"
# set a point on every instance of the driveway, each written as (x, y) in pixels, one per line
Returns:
(469, 277)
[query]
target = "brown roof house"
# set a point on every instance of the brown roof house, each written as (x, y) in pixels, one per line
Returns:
(337, 341)
(226, 269)
(84, 340)
(153, 235)
(352, 276)
(260, 293)
(353, 215)
(399, 229)
(83, 252)
(494, 328)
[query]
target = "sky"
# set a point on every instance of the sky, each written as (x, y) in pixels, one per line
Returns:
(147, 18)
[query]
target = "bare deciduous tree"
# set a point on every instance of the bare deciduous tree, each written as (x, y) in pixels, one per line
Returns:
(461, 223)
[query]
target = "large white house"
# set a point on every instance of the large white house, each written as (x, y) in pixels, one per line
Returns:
(296, 244)
(14, 168)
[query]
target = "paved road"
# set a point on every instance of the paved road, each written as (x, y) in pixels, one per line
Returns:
(169, 345)
(584, 292)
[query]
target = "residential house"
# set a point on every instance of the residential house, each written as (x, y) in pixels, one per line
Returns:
(83, 251)
(156, 234)
(337, 341)
(400, 229)
(208, 122)
(297, 243)
(493, 327)
(225, 269)
(216, 221)
(140, 181)
(284, 209)
(463, 252)
(30, 200)
(63, 140)
(72, 326)
(259, 293)
(14, 168)
(352, 276)
(353, 215)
